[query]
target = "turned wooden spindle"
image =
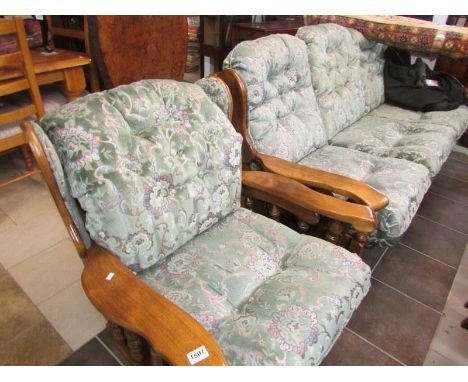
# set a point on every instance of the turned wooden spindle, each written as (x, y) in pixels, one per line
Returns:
(274, 212)
(135, 345)
(358, 243)
(346, 239)
(27, 158)
(249, 203)
(303, 227)
(116, 332)
(334, 232)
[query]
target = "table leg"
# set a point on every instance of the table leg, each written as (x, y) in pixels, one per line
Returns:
(74, 83)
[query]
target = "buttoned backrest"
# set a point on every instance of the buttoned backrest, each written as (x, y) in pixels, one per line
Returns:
(283, 116)
(153, 164)
(347, 73)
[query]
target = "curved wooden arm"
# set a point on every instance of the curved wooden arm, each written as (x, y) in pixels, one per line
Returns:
(353, 189)
(130, 303)
(301, 200)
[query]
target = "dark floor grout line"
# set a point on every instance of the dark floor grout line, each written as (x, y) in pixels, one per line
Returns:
(376, 347)
(380, 258)
(110, 351)
(9, 217)
(446, 197)
(441, 224)
(404, 294)
(426, 255)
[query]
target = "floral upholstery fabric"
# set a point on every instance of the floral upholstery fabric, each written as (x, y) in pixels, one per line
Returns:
(347, 73)
(269, 295)
(389, 131)
(403, 182)
(153, 164)
(62, 183)
(284, 119)
(218, 92)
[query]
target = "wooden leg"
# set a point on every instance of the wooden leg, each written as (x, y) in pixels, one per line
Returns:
(27, 158)
(74, 83)
(335, 230)
(156, 359)
(249, 203)
(303, 227)
(274, 212)
(135, 345)
(358, 244)
(117, 332)
(346, 239)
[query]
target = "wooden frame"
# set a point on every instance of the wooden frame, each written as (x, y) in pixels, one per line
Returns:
(358, 192)
(26, 81)
(144, 318)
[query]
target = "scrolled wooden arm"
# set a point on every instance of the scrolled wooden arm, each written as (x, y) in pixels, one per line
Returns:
(130, 303)
(353, 189)
(300, 200)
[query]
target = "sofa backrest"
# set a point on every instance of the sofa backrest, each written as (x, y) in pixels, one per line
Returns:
(283, 115)
(153, 164)
(347, 73)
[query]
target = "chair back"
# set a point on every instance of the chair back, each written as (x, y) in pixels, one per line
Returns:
(18, 61)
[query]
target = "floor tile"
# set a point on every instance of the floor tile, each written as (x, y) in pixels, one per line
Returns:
(40, 345)
(91, 353)
(418, 276)
(25, 199)
(395, 323)
(451, 188)
(445, 211)
(459, 156)
(106, 337)
(20, 242)
(372, 255)
(5, 221)
(43, 275)
(435, 240)
(434, 358)
(351, 350)
(455, 169)
(17, 312)
(73, 316)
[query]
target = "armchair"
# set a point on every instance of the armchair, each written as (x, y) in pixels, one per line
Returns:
(179, 268)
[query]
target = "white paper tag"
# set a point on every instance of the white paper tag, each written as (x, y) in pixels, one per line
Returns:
(197, 355)
(109, 276)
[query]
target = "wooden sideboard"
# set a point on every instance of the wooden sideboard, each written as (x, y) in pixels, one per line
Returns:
(251, 31)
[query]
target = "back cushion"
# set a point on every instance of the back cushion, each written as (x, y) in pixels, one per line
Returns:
(347, 73)
(153, 164)
(284, 119)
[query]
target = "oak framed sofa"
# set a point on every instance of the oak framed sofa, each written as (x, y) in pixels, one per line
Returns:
(147, 178)
(315, 102)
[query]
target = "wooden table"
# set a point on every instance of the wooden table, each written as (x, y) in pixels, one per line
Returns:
(63, 66)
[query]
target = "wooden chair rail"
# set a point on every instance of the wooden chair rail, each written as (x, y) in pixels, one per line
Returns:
(304, 202)
(130, 303)
(357, 191)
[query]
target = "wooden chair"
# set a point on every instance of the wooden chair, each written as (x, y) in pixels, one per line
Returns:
(10, 136)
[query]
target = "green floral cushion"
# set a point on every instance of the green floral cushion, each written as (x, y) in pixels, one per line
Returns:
(218, 92)
(153, 164)
(284, 119)
(347, 73)
(403, 182)
(267, 294)
(62, 184)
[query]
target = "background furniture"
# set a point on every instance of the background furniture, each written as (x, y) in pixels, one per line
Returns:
(132, 48)
(10, 136)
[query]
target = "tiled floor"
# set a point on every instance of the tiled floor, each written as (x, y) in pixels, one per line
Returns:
(411, 315)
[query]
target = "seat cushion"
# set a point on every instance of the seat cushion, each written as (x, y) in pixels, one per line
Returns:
(417, 140)
(153, 164)
(403, 182)
(269, 295)
(284, 120)
(347, 73)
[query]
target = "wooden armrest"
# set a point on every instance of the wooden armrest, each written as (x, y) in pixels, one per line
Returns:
(300, 200)
(130, 303)
(353, 189)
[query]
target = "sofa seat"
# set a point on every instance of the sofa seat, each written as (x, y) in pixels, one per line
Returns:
(389, 131)
(404, 183)
(269, 295)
